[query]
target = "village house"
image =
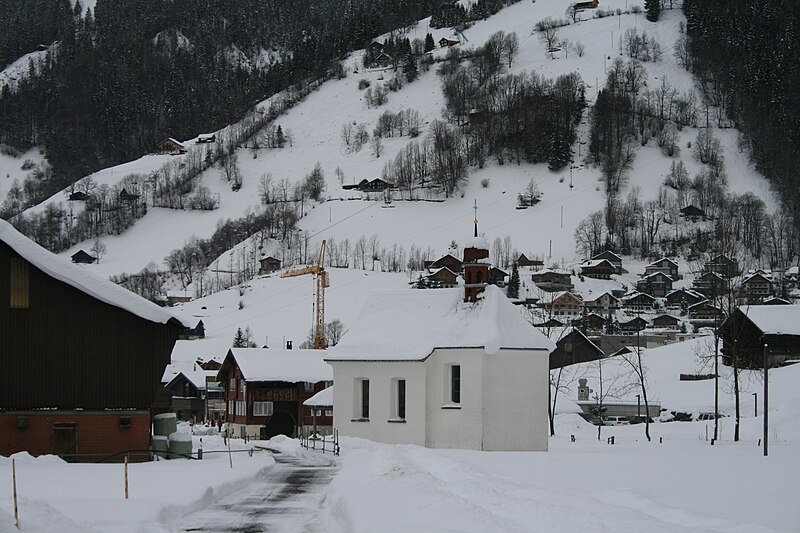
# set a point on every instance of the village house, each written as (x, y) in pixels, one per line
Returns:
(67, 335)
(533, 264)
(722, 265)
(632, 326)
(657, 284)
(497, 277)
(639, 302)
(666, 322)
(756, 287)
(710, 284)
(268, 265)
(611, 257)
(265, 389)
(170, 146)
(562, 304)
(83, 257)
(448, 260)
(178, 297)
(552, 280)
(444, 42)
(78, 196)
(442, 278)
(598, 269)
(573, 347)
(664, 265)
(591, 322)
(428, 368)
(693, 213)
(603, 304)
(749, 328)
(705, 313)
(206, 138)
(188, 390)
(683, 298)
(774, 300)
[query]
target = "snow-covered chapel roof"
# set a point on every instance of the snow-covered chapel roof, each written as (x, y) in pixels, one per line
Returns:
(408, 325)
(83, 280)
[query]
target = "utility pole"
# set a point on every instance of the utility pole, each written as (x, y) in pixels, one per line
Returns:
(766, 402)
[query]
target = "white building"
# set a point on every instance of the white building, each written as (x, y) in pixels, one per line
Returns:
(425, 367)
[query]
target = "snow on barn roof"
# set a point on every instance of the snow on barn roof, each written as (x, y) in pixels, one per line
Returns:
(265, 364)
(774, 319)
(195, 377)
(323, 398)
(408, 325)
(83, 280)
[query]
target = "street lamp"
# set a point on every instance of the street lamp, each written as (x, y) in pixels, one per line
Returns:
(755, 404)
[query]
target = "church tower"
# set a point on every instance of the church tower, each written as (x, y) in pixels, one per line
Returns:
(476, 264)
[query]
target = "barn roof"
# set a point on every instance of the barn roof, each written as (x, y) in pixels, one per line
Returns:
(83, 280)
(265, 364)
(408, 325)
(774, 319)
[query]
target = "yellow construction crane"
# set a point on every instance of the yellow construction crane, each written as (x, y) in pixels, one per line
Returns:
(320, 284)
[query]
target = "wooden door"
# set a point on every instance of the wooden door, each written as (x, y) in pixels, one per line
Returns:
(64, 440)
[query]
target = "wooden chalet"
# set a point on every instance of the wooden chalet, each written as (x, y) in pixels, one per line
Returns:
(705, 312)
(774, 300)
(365, 185)
(206, 138)
(381, 60)
(268, 265)
(83, 257)
(84, 358)
(749, 328)
(605, 303)
(178, 297)
(187, 390)
(632, 326)
(444, 42)
(550, 323)
(170, 146)
(664, 265)
(265, 390)
(590, 322)
(756, 287)
(523, 261)
(497, 277)
(611, 257)
(683, 298)
(639, 302)
(592, 4)
(693, 213)
(598, 269)
(448, 260)
(78, 196)
(563, 304)
(723, 265)
(442, 278)
(125, 196)
(666, 322)
(657, 284)
(572, 348)
(552, 280)
(710, 284)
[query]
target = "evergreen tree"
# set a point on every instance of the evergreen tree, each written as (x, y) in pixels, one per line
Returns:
(560, 152)
(410, 68)
(653, 9)
(240, 340)
(429, 44)
(513, 283)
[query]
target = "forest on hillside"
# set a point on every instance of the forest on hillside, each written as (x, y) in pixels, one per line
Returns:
(111, 89)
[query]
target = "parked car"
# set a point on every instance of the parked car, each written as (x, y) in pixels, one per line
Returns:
(709, 416)
(616, 421)
(639, 419)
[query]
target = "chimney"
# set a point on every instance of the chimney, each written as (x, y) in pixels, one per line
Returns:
(288, 345)
(583, 391)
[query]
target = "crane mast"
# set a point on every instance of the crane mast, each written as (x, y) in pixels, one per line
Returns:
(320, 284)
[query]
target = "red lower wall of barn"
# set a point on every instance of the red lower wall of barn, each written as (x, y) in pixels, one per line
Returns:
(97, 433)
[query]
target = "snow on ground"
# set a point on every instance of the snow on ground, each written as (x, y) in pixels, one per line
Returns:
(11, 169)
(19, 69)
(546, 229)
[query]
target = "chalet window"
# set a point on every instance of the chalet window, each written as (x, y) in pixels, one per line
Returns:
(364, 398)
(20, 283)
(455, 383)
(309, 386)
(262, 408)
(328, 412)
(232, 385)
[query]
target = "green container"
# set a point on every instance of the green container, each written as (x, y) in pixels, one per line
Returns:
(180, 445)
(165, 424)
(160, 446)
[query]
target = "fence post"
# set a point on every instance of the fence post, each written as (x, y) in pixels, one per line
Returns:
(126, 476)
(230, 456)
(14, 483)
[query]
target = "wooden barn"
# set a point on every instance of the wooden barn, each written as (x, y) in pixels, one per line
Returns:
(265, 390)
(82, 356)
(745, 332)
(170, 146)
(83, 257)
(269, 265)
(574, 347)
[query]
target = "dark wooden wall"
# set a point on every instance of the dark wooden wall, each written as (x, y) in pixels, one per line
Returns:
(69, 350)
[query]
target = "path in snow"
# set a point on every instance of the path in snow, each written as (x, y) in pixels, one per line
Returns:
(285, 499)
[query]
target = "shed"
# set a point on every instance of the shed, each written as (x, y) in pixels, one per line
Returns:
(83, 257)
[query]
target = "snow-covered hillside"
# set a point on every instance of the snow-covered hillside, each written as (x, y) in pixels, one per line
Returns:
(315, 125)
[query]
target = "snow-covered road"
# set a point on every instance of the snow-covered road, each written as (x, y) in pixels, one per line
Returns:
(285, 498)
